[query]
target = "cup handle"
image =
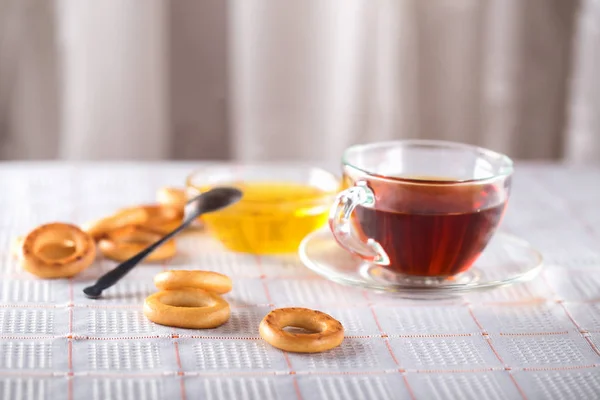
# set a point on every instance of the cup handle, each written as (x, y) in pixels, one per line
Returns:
(341, 227)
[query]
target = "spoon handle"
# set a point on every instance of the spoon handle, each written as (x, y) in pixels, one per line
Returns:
(112, 277)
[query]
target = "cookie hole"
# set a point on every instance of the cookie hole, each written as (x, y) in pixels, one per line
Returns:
(299, 330)
(57, 250)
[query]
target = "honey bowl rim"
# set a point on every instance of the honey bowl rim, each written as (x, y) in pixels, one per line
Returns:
(325, 196)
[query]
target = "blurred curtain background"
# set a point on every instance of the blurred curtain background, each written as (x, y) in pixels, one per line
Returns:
(296, 79)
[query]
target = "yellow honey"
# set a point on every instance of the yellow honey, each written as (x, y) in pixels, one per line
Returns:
(272, 217)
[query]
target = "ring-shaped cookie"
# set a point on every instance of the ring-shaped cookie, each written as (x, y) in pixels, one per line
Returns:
(163, 218)
(187, 308)
(328, 332)
(123, 243)
(172, 197)
(122, 218)
(207, 280)
(57, 250)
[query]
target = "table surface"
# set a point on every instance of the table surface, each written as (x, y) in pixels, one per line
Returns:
(537, 340)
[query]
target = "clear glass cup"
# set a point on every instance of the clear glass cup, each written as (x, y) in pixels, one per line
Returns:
(280, 206)
(419, 208)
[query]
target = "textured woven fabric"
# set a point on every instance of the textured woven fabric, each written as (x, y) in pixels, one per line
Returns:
(537, 340)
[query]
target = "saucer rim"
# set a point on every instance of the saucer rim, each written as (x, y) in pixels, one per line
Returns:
(400, 289)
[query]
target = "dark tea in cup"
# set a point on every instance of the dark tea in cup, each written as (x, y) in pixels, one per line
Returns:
(427, 233)
(421, 208)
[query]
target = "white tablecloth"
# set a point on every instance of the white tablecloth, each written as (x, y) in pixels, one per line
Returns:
(537, 340)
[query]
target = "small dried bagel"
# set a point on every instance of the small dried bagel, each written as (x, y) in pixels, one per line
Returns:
(187, 308)
(57, 250)
(122, 244)
(329, 332)
(207, 280)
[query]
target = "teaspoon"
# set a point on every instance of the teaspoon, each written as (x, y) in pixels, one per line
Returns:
(212, 200)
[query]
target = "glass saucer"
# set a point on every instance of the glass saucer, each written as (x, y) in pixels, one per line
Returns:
(506, 260)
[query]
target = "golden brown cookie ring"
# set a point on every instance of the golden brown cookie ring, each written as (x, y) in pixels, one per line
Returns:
(207, 280)
(57, 250)
(122, 218)
(172, 197)
(187, 308)
(329, 332)
(123, 243)
(162, 218)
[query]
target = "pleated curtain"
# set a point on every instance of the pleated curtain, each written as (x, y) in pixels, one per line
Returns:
(296, 79)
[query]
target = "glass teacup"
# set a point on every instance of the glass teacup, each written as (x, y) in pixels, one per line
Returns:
(420, 208)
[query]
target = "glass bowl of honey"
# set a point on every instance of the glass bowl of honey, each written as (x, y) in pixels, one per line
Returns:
(281, 204)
